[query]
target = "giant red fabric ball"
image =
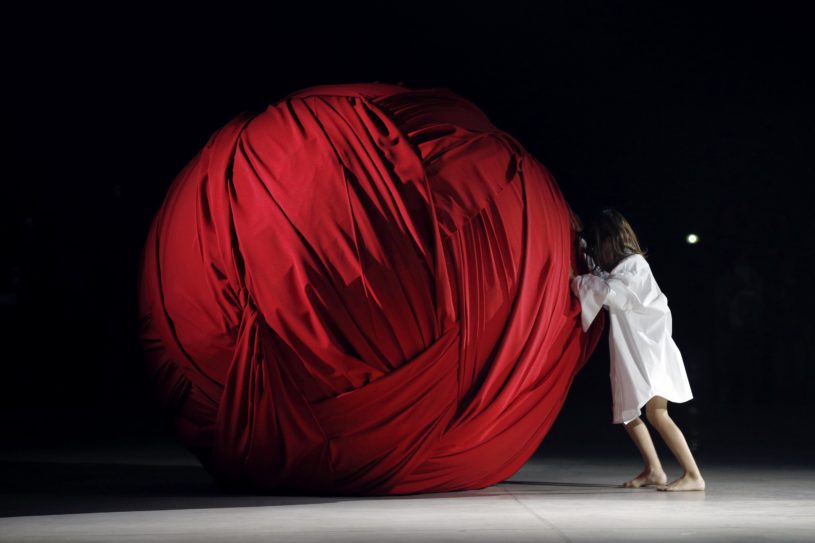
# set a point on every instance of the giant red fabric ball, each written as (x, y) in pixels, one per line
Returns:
(362, 289)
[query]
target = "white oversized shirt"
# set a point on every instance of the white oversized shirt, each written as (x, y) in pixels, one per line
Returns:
(645, 361)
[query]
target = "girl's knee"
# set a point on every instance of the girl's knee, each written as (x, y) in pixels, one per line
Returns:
(657, 415)
(632, 423)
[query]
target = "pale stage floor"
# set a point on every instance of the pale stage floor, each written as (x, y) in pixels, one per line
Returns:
(159, 493)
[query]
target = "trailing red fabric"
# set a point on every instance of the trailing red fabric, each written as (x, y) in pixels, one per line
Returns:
(364, 289)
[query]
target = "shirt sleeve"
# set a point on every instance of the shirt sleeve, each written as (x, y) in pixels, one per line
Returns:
(625, 290)
(592, 291)
(595, 291)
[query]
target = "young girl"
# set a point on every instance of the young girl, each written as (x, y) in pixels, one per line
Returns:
(646, 366)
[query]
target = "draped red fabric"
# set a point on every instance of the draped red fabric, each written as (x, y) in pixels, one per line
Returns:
(364, 290)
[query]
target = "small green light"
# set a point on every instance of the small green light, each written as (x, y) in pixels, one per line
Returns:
(692, 239)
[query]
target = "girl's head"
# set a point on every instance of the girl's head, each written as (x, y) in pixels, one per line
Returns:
(610, 238)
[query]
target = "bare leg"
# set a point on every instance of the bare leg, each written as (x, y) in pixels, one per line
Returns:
(653, 473)
(691, 479)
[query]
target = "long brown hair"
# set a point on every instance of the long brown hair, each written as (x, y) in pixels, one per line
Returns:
(611, 228)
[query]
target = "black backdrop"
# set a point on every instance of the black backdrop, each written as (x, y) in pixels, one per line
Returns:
(687, 120)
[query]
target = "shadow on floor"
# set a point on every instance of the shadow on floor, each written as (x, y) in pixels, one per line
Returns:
(52, 488)
(570, 485)
(49, 488)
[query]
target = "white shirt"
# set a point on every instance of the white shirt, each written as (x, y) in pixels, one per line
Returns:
(645, 361)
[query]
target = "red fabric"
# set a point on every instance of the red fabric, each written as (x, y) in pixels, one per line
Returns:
(363, 289)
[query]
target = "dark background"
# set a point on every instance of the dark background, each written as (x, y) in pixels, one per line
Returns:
(688, 120)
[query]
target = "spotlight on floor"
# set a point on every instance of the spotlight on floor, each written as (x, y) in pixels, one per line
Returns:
(692, 239)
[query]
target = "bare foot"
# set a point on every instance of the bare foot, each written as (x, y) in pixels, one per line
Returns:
(647, 478)
(686, 482)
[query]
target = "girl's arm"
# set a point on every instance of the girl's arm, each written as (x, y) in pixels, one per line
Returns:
(589, 260)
